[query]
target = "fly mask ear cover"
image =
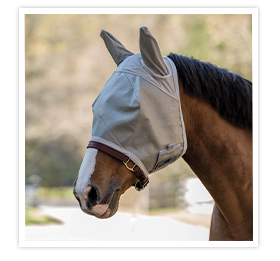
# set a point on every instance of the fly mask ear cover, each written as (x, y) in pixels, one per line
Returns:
(138, 111)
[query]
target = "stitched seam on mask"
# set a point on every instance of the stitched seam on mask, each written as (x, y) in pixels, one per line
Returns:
(113, 136)
(133, 87)
(157, 86)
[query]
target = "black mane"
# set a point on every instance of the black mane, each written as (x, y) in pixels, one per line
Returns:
(228, 93)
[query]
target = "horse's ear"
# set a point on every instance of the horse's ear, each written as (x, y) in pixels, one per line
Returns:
(150, 52)
(115, 48)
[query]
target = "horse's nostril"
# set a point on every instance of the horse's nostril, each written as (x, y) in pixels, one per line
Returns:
(93, 196)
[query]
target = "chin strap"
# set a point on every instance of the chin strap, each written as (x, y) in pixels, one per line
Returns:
(142, 179)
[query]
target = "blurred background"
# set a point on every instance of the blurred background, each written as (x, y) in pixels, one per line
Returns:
(67, 64)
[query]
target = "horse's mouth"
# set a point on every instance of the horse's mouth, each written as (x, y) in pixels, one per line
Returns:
(113, 205)
(105, 209)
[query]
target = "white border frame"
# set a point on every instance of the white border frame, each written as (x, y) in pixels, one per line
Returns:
(22, 12)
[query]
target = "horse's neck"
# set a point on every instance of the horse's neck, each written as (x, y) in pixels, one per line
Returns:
(221, 157)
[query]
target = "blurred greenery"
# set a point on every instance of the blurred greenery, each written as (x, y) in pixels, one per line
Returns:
(33, 217)
(56, 193)
(67, 64)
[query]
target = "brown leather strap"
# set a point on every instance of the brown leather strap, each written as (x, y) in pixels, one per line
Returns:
(143, 180)
(107, 149)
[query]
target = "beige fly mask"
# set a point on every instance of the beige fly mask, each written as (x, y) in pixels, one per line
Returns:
(138, 111)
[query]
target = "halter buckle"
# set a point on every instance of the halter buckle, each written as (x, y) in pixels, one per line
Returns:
(125, 163)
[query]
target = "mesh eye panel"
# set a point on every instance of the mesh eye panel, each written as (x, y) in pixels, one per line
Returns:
(139, 114)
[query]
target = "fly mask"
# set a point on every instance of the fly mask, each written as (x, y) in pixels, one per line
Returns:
(137, 115)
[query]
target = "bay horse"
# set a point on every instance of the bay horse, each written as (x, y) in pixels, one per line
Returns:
(216, 111)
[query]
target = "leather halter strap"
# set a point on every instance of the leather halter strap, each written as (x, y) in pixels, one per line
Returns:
(142, 179)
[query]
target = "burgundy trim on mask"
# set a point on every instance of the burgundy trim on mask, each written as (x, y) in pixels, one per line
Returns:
(143, 180)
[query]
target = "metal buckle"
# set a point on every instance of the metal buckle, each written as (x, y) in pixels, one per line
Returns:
(125, 163)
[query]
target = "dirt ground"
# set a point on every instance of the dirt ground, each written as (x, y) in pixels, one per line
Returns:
(195, 219)
(77, 226)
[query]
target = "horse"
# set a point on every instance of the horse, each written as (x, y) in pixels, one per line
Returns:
(212, 133)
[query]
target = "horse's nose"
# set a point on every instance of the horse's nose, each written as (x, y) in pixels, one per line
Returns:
(92, 195)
